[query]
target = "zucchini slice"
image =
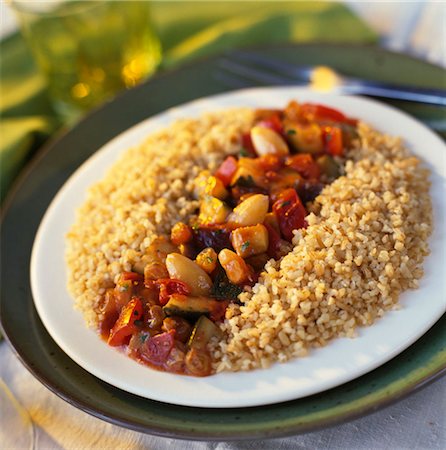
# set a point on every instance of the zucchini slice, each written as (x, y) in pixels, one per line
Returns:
(203, 332)
(191, 307)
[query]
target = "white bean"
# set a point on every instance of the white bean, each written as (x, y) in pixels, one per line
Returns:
(184, 269)
(250, 212)
(267, 141)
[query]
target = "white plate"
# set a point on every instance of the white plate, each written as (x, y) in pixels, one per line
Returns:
(340, 361)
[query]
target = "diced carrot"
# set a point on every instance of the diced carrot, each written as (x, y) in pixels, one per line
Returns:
(181, 233)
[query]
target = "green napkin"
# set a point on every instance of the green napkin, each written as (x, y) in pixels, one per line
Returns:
(187, 30)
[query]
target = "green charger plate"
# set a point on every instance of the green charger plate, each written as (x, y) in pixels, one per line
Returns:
(422, 362)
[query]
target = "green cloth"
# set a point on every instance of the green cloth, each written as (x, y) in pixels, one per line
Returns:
(187, 30)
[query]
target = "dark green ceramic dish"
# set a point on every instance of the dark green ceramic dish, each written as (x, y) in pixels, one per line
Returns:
(422, 362)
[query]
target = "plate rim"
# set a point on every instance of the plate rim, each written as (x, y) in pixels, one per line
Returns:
(195, 435)
(137, 383)
(9, 201)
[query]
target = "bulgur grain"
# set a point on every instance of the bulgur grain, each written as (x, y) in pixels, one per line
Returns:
(361, 268)
(364, 244)
(143, 195)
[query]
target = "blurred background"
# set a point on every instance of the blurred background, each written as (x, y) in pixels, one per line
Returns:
(35, 103)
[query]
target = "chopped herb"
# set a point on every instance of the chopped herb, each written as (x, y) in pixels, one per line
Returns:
(291, 132)
(245, 245)
(123, 287)
(209, 259)
(138, 323)
(328, 137)
(143, 337)
(245, 181)
(285, 203)
(135, 313)
(243, 152)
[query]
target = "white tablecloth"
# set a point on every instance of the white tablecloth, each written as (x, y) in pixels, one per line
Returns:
(417, 423)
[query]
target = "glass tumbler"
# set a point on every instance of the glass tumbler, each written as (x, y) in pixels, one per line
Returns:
(89, 50)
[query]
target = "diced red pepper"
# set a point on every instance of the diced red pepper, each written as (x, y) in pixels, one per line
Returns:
(169, 286)
(305, 165)
(227, 170)
(333, 141)
(273, 122)
(313, 112)
(157, 348)
(125, 325)
(248, 146)
(290, 213)
(273, 241)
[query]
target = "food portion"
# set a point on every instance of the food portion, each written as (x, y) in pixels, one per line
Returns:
(248, 237)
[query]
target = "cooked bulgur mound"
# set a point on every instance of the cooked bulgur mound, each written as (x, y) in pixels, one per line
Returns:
(365, 243)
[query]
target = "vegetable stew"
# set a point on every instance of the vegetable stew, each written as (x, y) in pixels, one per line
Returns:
(166, 312)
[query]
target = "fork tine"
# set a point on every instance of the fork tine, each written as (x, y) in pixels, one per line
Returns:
(230, 80)
(253, 74)
(283, 68)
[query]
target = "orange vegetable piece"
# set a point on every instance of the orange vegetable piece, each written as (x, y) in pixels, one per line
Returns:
(333, 141)
(125, 325)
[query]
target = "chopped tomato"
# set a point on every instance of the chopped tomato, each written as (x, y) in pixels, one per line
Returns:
(305, 165)
(333, 141)
(157, 348)
(125, 325)
(169, 286)
(320, 113)
(290, 213)
(227, 170)
(273, 241)
(273, 122)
